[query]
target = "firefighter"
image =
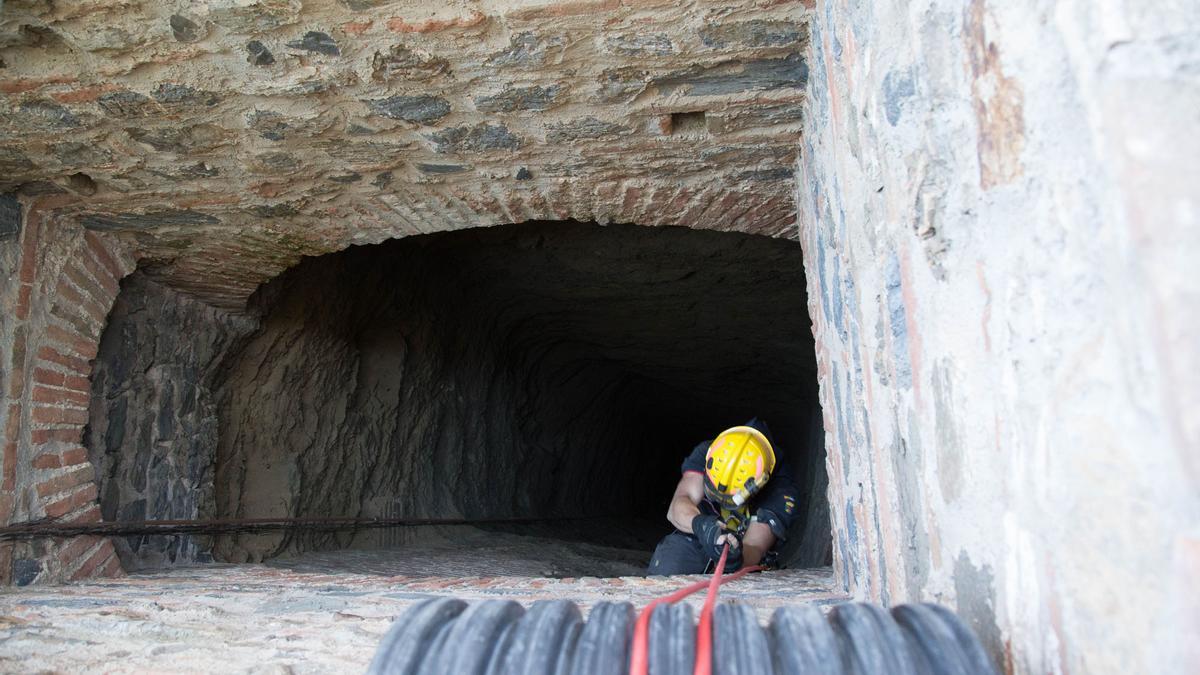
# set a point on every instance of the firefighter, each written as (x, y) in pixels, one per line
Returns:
(734, 490)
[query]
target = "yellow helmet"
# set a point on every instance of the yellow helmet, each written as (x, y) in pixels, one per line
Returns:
(738, 463)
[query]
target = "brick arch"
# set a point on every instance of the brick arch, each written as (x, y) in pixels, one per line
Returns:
(248, 249)
(68, 280)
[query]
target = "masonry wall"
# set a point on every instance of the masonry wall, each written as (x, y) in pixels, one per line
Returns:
(60, 282)
(999, 215)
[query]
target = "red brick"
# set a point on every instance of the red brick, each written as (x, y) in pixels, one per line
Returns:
(102, 277)
(13, 425)
(10, 467)
(65, 481)
(6, 504)
(17, 372)
(47, 460)
(74, 456)
(103, 256)
(44, 376)
(78, 547)
(22, 309)
(91, 514)
(78, 274)
(69, 504)
(29, 260)
(77, 383)
(111, 569)
(48, 414)
(399, 25)
(48, 395)
(62, 434)
(45, 414)
(72, 341)
(99, 557)
(74, 363)
(86, 327)
(77, 299)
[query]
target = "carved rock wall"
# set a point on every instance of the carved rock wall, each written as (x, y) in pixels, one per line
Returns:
(152, 434)
(553, 369)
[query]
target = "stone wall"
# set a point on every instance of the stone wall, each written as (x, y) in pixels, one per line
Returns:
(55, 298)
(152, 431)
(999, 216)
(225, 139)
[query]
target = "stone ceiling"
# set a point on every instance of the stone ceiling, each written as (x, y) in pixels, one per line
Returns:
(224, 139)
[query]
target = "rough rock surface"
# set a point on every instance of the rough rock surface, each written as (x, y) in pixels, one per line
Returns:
(216, 136)
(152, 436)
(549, 369)
(277, 620)
(1000, 225)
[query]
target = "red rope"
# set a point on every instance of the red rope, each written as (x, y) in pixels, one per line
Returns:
(639, 659)
(704, 630)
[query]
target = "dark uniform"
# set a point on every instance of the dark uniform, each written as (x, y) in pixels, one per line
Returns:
(775, 505)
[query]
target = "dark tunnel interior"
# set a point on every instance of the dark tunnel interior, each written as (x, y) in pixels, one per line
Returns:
(548, 369)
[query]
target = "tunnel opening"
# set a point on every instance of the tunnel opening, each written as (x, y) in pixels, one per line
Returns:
(555, 370)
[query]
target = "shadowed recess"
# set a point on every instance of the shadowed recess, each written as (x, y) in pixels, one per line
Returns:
(543, 369)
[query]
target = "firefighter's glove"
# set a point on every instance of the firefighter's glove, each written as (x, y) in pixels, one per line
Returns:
(707, 529)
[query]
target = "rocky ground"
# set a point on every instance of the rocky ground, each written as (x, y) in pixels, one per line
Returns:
(321, 612)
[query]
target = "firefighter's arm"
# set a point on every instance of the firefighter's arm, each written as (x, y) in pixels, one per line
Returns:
(758, 540)
(684, 503)
(685, 506)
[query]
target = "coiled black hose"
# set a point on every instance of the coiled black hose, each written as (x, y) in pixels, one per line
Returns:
(499, 637)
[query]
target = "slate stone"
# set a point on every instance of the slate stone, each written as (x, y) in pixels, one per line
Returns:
(346, 178)
(359, 5)
(46, 114)
(779, 173)
(316, 42)
(258, 54)
(475, 138)
(176, 139)
(141, 221)
(199, 170)
(77, 153)
(420, 109)
(582, 128)
(280, 210)
(735, 77)
(523, 98)
(39, 187)
(25, 570)
(134, 510)
(10, 216)
(172, 94)
(442, 168)
(403, 63)
(13, 161)
(126, 104)
(280, 162)
(640, 44)
(525, 50)
(754, 33)
(362, 153)
(269, 124)
(184, 29)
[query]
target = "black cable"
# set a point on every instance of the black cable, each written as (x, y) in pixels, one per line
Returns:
(48, 528)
